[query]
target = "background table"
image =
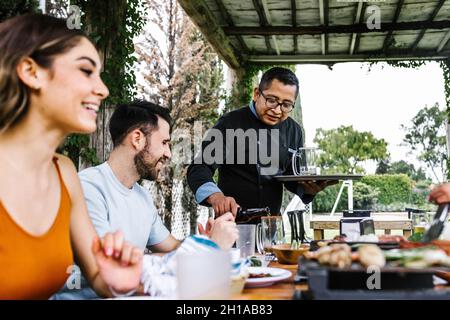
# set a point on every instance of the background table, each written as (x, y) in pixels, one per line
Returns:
(382, 221)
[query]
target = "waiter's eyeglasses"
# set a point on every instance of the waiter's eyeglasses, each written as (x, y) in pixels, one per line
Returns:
(273, 103)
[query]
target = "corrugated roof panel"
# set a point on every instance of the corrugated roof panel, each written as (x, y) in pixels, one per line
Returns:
(309, 44)
(431, 39)
(340, 13)
(371, 42)
(308, 13)
(256, 43)
(285, 44)
(339, 43)
(416, 10)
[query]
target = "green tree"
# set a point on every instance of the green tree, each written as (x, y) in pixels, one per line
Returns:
(344, 149)
(398, 167)
(382, 167)
(392, 187)
(180, 71)
(364, 197)
(426, 138)
(408, 169)
(12, 8)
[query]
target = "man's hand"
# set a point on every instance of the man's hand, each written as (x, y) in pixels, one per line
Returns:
(222, 204)
(314, 187)
(222, 231)
(440, 194)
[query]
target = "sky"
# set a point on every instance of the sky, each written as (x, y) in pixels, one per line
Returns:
(378, 101)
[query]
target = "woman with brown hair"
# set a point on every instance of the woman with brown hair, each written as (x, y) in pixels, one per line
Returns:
(50, 87)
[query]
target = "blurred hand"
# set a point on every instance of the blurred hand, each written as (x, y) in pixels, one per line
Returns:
(119, 263)
(222, 231)
(314, 187)
(440, 194)
(207, 231)
(222, 204)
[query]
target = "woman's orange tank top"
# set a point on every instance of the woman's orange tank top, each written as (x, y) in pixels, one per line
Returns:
(35, 267)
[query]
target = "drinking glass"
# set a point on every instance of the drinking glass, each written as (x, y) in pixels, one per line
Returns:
(268, 233)
(420, 222)
(246, 240)
(304, 161)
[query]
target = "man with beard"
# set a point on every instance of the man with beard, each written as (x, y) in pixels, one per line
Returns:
(140, 133)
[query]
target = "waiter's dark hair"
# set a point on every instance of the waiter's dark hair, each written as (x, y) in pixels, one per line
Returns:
(283, 75)
(139, 114)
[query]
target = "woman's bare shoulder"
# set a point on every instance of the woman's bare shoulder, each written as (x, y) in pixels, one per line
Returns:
(65, 162)
(68, 171)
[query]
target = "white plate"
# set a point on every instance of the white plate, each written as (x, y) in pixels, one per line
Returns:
(277, 275)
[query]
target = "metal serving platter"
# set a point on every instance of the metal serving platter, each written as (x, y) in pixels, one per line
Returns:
(358, 268)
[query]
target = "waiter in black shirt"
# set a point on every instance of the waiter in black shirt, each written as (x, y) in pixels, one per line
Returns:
(248, 146)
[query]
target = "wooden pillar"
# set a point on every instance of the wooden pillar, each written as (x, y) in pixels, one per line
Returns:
(447, 100)
(319, 234)
(239, 96)
(407, 233)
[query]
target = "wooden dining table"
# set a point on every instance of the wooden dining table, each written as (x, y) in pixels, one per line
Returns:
(285, 289)
(282, 290)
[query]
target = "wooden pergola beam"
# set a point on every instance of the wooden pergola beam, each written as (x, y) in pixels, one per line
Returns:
(358, 35)
(430, 19)
(359, 16)
(443, 42)
(397, 55)
(327, 14)
(294, 23)
(387, 40)
(339, 29)
(226, 16)
(269, 22)
(263, 22)
(324, 14)
(202, 17)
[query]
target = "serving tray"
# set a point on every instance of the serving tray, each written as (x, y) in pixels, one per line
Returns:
(315, 177)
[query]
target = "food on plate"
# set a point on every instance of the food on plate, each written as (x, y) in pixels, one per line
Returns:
(371, 255)
(255, 261)
(386, 238)
(410, 255)
(340, 238)
(441, 244)
(390, 238)
(259, 275)
(419, 257)
(417, 237)
(338, 255)
(323, 243)
(367, 238)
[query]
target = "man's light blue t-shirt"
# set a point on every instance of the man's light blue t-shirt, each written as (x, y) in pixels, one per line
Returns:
(111, 207)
